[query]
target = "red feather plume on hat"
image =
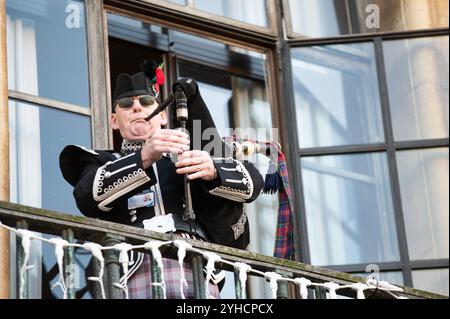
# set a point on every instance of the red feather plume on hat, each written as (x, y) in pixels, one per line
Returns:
(154, 72)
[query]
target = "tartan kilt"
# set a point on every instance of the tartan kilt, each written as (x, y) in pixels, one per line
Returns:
(140, 283)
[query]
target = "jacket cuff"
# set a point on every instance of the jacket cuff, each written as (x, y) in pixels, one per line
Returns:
(118, 178)
(233, 180)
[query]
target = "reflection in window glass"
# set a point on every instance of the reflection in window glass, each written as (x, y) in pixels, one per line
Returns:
(83, 269)
(118, 24)
(249, 11)
(417, 75)
(183, 36)
(205, 51)
(37, 136)
(434, 280)
(337, 95)
(320, 18)
(424, 187)
(123, 20)
(259, 288)
(349, 209)
(47, 50)
(219, 105)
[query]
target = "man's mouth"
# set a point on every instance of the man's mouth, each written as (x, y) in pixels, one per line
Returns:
(141, 120)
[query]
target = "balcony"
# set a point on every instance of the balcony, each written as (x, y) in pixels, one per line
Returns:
(286, 279)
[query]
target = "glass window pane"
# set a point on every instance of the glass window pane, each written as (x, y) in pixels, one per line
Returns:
(320, 18)
(337, 95)
(349, 209)
(435, 280)
(37, 136)
(218, 99)
(249, 11)
(424, 187)
(393, 277)
(47, 50)
(82, 268)
(417, 76)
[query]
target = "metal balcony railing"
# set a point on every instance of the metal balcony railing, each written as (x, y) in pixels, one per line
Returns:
(287, 279)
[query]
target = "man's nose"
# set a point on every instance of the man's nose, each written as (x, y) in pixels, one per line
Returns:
(137, 107)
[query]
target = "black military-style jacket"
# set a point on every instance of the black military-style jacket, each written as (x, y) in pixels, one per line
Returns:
(105, 181)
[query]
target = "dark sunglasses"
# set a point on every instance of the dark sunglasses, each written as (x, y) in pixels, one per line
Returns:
(127, 102)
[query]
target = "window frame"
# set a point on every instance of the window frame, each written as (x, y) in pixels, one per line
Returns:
(179, 17)
(390, 147)
(98, 97)
(295, 35)
(190, 9)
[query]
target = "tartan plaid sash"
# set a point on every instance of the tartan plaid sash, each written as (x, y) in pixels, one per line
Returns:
(277, 179)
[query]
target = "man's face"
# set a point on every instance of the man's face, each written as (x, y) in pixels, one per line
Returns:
(130, 120)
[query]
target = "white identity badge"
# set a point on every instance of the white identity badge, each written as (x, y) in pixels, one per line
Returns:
(142, 200)
(160, 224)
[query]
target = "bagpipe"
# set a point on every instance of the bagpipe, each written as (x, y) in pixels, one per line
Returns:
(185, 92)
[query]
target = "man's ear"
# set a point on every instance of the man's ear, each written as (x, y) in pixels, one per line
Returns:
(113, 121)
(163, 118)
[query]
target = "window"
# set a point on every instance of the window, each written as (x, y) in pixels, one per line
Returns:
(47, 42)
(253, 12)
(424, 185)
(49, 108)
(372, 123)
(435, 280)
(417, 75)
(323, 18)
(336, 95)
(249, 11)
(47, 59)
(37, 136)
(349, 209)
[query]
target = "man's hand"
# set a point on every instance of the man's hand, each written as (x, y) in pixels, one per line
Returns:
(163, 141)
(197, 164)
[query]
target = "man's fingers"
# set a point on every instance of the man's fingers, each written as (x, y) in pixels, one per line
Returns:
(197, 175)
(158, 144)
(193, 169)
(189, 161)
(171, 138)
(177, 139)
(192, 154)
